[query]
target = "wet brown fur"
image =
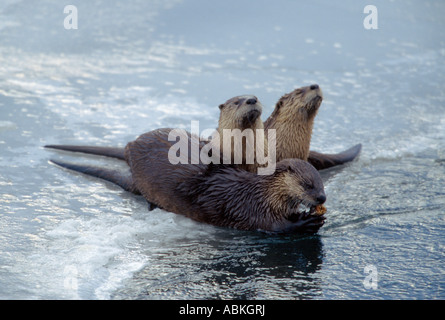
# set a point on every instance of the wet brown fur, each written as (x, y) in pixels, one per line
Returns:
(221, 195)
(224, 195)
(293, 120)
(237, 113)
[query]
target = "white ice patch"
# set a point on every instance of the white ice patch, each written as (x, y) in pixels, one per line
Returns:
(408, 145)
(88, 258)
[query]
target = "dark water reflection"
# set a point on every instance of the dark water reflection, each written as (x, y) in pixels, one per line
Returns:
(232, 266)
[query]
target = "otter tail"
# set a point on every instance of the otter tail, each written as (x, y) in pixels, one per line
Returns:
(323, 161)
(114, 176)
(111, 152)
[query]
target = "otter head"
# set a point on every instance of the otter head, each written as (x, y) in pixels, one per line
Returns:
(304, 101)
(296, 188)
(293, 119)
(241, 112)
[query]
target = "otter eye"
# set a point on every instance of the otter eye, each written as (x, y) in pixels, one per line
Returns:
(308, 186)
(237, 102)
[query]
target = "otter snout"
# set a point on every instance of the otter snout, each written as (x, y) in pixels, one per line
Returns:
(314, 86)
(251, 101)
(312, 90)
(312, 94)
(321, 198)
(251, 116)
(252, 110)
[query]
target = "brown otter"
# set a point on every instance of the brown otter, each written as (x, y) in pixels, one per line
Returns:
(221, 195)
(239, 120)
(293, 120)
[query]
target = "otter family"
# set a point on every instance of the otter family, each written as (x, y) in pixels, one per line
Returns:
(288, 199)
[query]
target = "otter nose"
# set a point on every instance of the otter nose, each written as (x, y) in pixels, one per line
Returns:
(314, 86)
(321, 199)
(251, 101)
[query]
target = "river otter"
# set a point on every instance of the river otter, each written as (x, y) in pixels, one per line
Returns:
(293, 120)
(238, 125)
(221, 195)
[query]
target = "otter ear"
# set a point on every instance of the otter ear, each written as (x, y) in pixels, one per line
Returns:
(221, 106)
(279, 104)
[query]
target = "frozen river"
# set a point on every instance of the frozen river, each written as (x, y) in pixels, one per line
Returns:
(135, 66)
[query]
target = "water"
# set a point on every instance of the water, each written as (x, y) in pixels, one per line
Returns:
(134, 66)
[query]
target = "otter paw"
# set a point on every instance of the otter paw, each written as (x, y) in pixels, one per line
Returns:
(308, 223)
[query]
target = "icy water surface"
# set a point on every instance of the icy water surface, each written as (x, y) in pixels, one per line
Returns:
(134, 66)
